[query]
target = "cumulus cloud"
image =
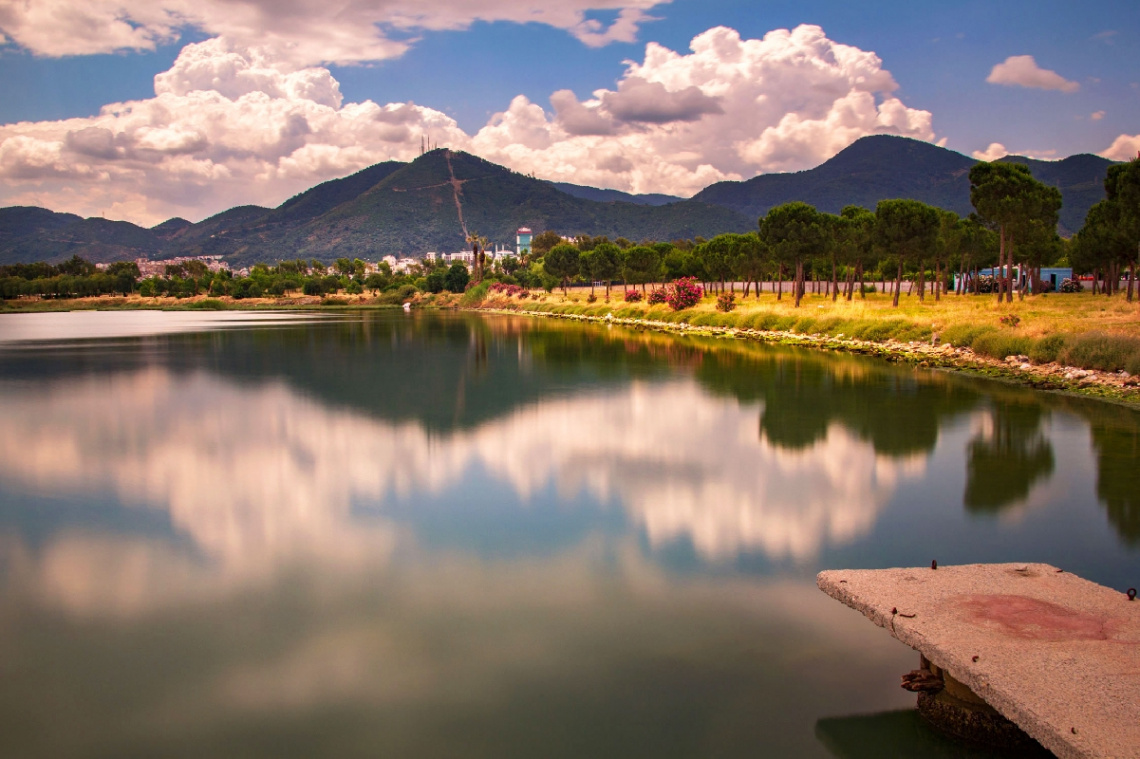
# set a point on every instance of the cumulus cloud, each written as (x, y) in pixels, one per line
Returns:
(639, 100)
(232, 124)
(305, 32)
(225, 128)
(1023, 71)
(1124, 148)
(727, 110)
(995, 151)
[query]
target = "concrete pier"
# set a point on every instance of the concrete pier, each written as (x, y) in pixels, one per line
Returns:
(1054, 654)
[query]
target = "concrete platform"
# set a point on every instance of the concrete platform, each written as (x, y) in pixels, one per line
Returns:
(1057, 655)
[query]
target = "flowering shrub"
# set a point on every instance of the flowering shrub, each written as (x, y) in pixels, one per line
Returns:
(508, 290)
(632, 296)
(591, 298)
(656, 295)
(1011, 320)
(1071, 285)
(726, 302)
(684, 293)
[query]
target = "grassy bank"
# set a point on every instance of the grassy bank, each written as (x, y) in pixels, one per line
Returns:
(1038, 341)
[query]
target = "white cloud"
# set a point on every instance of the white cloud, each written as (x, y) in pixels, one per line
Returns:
(1124, 148)
(995, 151)
(727, 110)
(1096, 115)
(1023, 71)
(304, 32)
(225, 128)
(232, 124)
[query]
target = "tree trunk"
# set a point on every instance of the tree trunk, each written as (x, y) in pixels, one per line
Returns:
(799, 283)
(922, 281)
(834, 281)
(1009, 265)
(898, 285)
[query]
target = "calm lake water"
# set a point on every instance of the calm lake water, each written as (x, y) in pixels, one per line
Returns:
(438, 535)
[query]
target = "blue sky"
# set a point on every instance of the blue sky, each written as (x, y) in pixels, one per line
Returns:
(311, 71)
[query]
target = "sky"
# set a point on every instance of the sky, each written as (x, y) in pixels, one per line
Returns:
(143, 110)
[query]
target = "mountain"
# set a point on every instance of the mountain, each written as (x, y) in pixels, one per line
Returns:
(880, 167)
(433, 202)
(30, 234)
(328, 195)
(609, 196)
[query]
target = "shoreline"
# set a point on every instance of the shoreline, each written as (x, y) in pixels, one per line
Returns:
(1113, 387)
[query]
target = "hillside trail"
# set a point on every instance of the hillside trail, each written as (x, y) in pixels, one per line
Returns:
(457, 190)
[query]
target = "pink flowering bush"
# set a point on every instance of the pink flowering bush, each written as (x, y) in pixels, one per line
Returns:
(508, 290)
(632, 296)
(656, 295)
(726, 302)
(684, 293)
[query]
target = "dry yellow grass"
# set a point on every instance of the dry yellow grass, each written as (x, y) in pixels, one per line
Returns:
(1038, 315)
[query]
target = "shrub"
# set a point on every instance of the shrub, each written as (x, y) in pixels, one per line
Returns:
(963, 335)
(1010, 320)
(1071, 285)
(726, 302)
(476, 294)
(209, 304)
(632, 296)
(1097, 350)
(1047, 349)
(591, 298)
(869, 288)
(684, 293)
(656, 296)
(997, 345)
(877, 331)
(508, 290)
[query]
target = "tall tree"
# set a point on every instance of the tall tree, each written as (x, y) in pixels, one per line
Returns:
(794, 232)
(640, 264)
(605, 263)
(1122, 189)
(907, 229)
(1006, 195)
(561, 262)
(855, 236)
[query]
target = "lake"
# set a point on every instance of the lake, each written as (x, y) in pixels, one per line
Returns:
(436, 535)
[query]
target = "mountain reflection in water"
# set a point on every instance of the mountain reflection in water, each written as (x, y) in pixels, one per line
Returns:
(438, 534)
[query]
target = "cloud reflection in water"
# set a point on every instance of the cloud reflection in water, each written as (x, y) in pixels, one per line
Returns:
(257, 475)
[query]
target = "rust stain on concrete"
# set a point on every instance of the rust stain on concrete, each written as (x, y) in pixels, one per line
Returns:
(1030, 618)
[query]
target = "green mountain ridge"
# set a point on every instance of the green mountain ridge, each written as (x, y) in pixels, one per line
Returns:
(433, 202)
(881, 167)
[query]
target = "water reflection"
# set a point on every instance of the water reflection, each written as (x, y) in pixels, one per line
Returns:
(255, 473)
(1007, 457)
(438, 535)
